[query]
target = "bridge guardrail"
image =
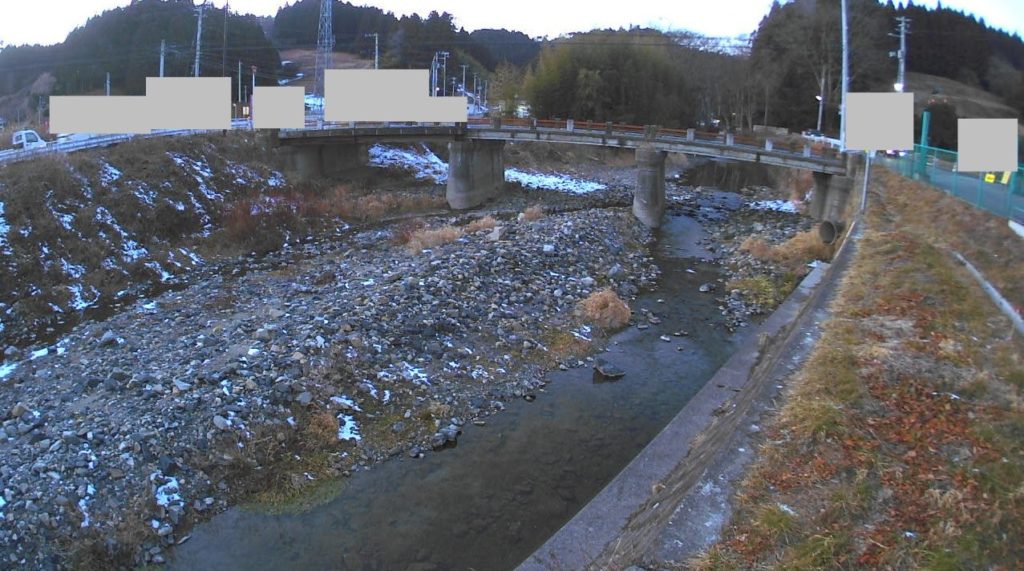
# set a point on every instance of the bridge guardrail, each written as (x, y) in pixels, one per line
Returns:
(316, 122)
(14, 155)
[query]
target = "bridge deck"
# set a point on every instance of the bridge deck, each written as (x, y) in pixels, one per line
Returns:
(621, 136)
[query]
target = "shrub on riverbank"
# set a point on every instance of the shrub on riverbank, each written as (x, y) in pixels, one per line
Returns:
(605, 309)
(424, 239)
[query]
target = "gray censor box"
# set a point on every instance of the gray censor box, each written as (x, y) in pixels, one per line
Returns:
(986, 145)
(387, 95)
(278, 108)
(189, 102)
(879, 121)
(100, 115)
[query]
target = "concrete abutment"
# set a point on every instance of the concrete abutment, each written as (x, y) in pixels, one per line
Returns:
(831, 194)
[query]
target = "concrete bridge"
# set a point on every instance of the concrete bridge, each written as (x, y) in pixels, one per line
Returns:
(476, 168)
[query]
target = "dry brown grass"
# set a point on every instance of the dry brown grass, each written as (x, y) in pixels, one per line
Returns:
(423, 239)
(402, 232)
(533, 213)
(322, 428)
(605, 309)
(802, 248)
(371, 206)
(906, 417)
(942, 219)
(757, 247)
(485, 223)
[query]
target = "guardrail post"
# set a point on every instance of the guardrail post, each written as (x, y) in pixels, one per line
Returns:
(807, 150)
(729, 139)
(768, 144)
(533, 124)
(570, 125)
(608, 128)
(691, 135)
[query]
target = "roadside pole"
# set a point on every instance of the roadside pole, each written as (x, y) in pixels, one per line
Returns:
(867, 176)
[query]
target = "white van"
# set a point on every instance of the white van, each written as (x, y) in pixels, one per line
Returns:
(27, 140)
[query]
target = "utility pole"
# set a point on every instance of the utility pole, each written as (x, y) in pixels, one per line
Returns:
(444, 73)
(224, 43)
(903, 28)
(108, 84)
(252, 102)
(163, 51)
(821, 100)
(199, 36)
(324, 46)
(464, 66)
(239, 81)
(433, 76)
(845, 83)
(376, 49)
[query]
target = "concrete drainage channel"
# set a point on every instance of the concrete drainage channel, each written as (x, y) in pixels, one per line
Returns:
(625, 521)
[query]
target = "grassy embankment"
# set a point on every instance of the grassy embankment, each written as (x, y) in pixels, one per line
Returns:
(901, 442)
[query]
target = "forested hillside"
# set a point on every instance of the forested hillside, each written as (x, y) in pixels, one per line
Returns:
(126, 43)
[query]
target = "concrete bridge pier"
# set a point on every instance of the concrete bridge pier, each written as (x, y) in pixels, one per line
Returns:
(307, 162)
(302, 161)
(649, 195)
(338, 159)
(831, 194)
(476, 172)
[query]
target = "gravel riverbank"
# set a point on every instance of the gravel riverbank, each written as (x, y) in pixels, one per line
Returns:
(126, 432)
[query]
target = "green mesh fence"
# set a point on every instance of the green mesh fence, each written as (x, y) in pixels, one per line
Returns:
(1001, 193)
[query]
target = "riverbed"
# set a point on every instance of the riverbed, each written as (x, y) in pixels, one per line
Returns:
(488, 502)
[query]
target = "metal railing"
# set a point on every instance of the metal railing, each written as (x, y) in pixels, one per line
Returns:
(316, 122)
(1001, 193)
(13, 155)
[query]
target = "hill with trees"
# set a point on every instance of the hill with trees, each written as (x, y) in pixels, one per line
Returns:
(126, 43)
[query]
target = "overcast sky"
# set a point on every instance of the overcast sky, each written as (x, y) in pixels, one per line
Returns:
(49, 21)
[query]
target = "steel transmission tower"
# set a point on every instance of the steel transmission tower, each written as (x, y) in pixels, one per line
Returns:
(324, 46)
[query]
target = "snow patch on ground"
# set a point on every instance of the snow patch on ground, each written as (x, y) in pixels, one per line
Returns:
(775, 205)
(348, 429)
(168, 492)
(6, 369)
(78, 301)
(276, 180)
(421, 162)
(109, 174)
(4, 229)
(158, 269)
(130, 249)
(73, 271)
(145, 194)
(201, 172)
(555, 181)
